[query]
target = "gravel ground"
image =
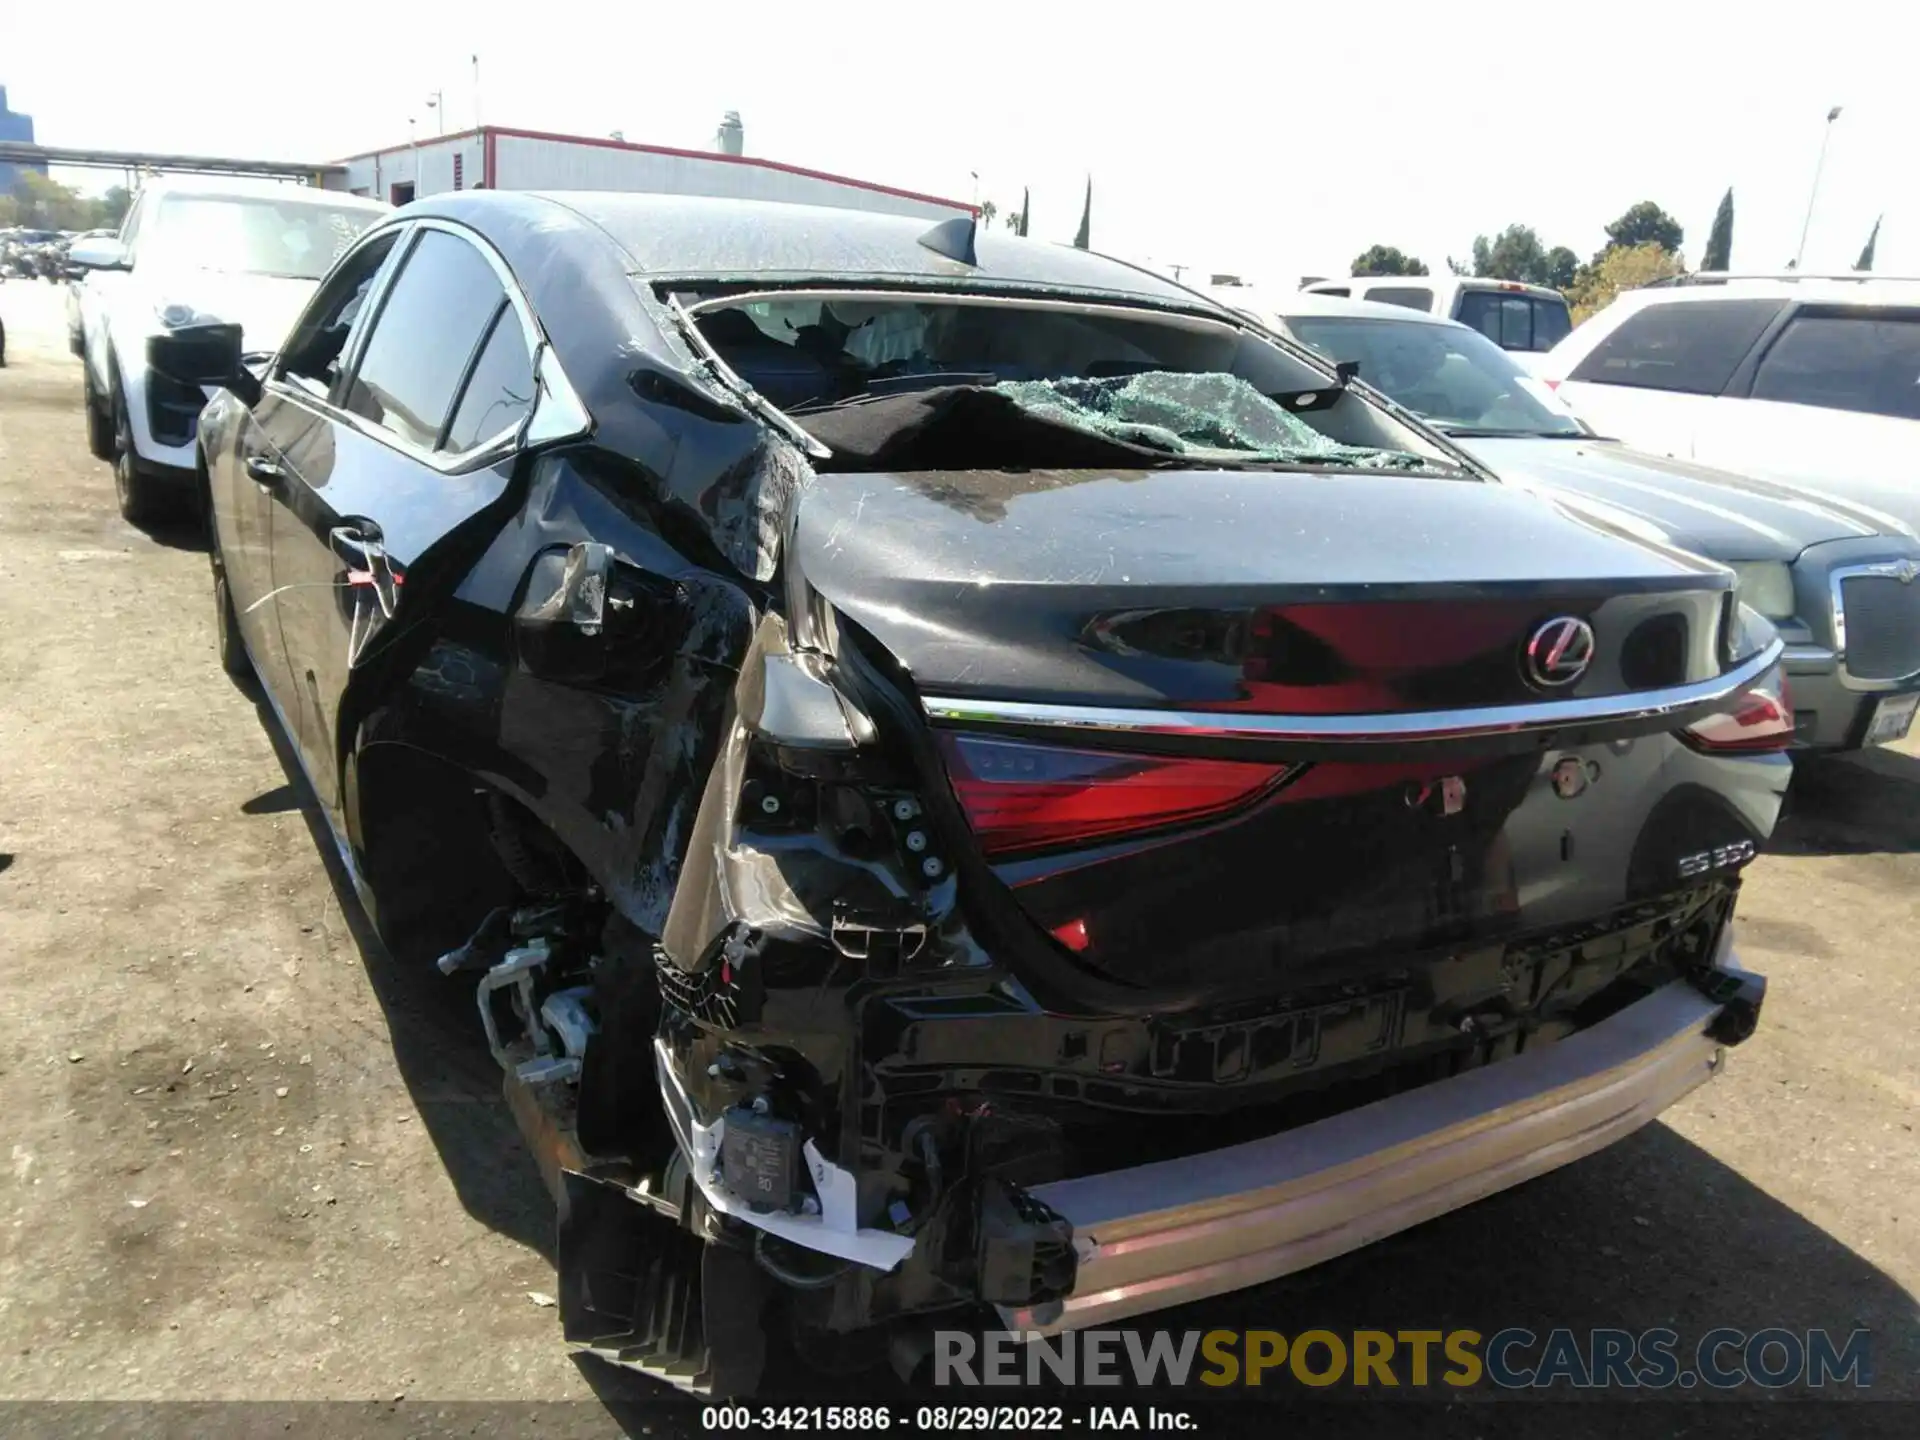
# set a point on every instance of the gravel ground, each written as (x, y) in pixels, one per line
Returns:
(247, 1159)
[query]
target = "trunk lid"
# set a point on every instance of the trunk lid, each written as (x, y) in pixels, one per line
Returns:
(1303, 593)
(1253, 731)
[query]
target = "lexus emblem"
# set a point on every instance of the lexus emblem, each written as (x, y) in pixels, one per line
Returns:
(1560, 651)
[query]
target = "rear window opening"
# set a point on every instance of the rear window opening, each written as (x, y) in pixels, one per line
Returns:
(1515, 322)
(915, 382)
(1407, 297)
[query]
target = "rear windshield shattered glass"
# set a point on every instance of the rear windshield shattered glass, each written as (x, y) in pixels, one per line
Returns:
(897, 382)
(1200, 417)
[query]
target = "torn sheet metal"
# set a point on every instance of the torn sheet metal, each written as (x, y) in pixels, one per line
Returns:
(750, 515)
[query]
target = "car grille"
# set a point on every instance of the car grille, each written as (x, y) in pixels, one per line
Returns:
(1883, 626)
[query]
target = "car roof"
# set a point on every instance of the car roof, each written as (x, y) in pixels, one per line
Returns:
(1292, 303)
(1358, 310)
(1809, 289)
(1438, 284)
(708, 239)
(216, 187)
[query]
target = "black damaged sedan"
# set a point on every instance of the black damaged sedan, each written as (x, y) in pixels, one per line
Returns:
(971, 784)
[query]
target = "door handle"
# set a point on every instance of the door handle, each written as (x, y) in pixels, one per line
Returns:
(262, 471)
(367, 562)
(353, 544)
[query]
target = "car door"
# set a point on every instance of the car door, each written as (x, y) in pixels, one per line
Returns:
(417, 437)
(1653, 378)
(1834, 394)
(98, 291)
(248, 473)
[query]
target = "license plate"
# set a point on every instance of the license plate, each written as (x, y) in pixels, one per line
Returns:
(1892, 718)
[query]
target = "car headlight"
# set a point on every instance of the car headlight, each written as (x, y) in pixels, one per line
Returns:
(177, 315)
(1766, 585)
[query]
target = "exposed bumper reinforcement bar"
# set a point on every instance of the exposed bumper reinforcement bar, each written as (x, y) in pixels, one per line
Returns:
(1167, 1233)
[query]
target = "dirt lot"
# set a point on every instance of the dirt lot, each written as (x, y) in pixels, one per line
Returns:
(246, 1158)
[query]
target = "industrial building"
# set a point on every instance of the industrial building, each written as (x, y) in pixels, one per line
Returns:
(500, 158)
(15, 128)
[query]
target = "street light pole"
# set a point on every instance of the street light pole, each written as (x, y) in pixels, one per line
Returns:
(1814, 194)
(436, 102)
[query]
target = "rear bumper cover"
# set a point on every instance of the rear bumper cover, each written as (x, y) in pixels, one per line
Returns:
(1167, 1233)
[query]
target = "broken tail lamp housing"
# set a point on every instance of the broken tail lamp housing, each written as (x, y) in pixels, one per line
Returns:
(1759, 721)
(1022, 796)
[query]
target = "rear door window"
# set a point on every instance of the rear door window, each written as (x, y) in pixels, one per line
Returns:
(1866, 361)
(1410, 297)
(499, 393)
(435, 315)
(1687, 346)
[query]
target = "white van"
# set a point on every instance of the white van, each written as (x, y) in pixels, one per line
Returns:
(1527, 318)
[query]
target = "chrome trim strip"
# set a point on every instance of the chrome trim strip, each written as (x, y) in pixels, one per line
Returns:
(1169, 1232)
(1419, 725)
(1807, 655)
(1902, 570)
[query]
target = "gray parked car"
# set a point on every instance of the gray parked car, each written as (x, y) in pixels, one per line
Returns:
(1830, 574)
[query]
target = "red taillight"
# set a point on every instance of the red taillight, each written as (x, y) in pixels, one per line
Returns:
(1022, 796)
(1553, 384)
(1073, 935)
(1760, 720)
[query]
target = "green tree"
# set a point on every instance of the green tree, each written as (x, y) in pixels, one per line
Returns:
(1514, 254)
(987, 211)
(1387, 260)
(1644, 224)
(111, 208)
(1083, 238)
(1865, 262)
(1559, 268)
(1719, 253)
(1620, 267)
(1020, 221)
(45, 204)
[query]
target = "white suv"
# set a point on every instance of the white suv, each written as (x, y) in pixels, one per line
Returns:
(1525, 318)
(1810, 380)
(192, 252)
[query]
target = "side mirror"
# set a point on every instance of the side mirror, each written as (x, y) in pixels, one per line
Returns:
(101, 253)
(196, 354)
(204, 355)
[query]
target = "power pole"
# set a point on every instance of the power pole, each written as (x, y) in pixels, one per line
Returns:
(1814, 194)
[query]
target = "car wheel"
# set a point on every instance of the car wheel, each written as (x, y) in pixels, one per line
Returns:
(141, 499)
(99, 422)
(226, 630)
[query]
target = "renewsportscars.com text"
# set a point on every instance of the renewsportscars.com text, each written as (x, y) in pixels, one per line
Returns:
(1510, 1359)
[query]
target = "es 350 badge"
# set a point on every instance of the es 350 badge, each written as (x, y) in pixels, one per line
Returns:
(1721, 857)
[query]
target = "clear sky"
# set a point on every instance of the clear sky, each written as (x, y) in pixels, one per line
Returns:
(1267, 140)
